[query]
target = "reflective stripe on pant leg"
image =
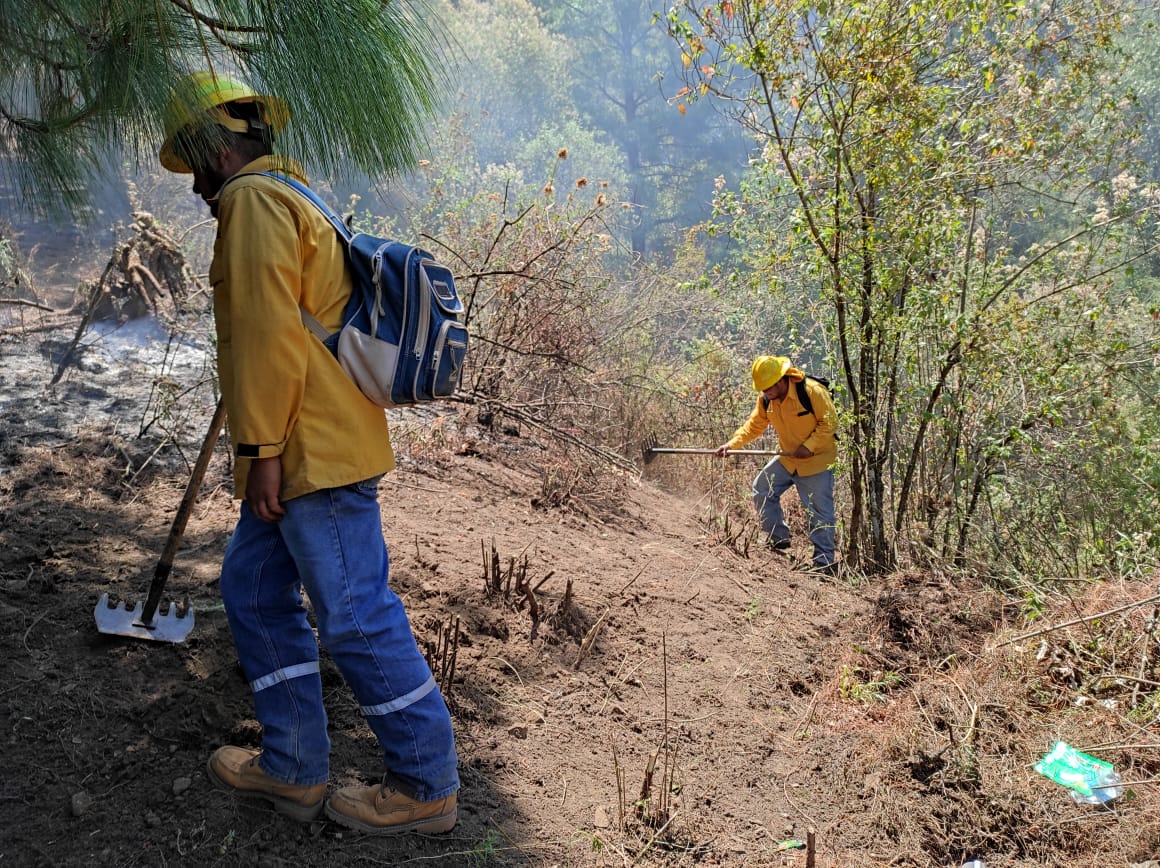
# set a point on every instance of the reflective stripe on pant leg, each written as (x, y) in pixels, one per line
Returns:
(284, 674)
(400, 702)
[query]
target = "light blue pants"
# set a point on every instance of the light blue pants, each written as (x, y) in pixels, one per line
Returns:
(331, 543)
(817, 496)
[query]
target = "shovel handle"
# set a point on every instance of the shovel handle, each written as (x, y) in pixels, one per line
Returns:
(177, 530)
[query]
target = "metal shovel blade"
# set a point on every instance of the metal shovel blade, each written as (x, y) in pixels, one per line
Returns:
(145, 620)
(117, 620)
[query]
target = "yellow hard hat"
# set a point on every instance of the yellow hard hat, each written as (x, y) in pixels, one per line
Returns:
(199, 98)
(767, 370)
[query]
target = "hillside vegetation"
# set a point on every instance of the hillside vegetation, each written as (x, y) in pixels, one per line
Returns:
(947, 208)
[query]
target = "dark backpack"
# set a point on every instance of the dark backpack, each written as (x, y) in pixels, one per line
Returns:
(803, 393)
(402, 338)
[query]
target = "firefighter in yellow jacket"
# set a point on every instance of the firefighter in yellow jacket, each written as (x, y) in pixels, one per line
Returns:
(806, 438)
(310, 451)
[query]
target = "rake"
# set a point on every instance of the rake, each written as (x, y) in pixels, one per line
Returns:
(143, 620)
(650, 451)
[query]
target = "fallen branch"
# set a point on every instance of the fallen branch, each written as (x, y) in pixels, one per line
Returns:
(1074, 621)
(25, 303)
(590, 638)
(540, 583)
(639, 573)
(41, 326)
(737, 582)
(90, 309)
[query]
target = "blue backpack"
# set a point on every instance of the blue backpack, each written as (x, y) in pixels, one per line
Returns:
(402, 338)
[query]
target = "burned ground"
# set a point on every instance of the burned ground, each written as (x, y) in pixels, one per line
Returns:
(628, 685)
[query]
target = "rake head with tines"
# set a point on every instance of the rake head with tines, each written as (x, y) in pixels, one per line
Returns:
(144, 620)
(169, 625)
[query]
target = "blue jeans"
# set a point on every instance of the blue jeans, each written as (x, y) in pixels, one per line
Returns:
(817, 496)
(330, 542)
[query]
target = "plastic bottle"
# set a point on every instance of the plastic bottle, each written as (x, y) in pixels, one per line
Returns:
(1105, 788)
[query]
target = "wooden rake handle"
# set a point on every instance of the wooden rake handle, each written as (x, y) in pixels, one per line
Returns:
(177, 530)
(696, 451)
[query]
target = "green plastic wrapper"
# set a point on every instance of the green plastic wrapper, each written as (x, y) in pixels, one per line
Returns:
(1087, 777)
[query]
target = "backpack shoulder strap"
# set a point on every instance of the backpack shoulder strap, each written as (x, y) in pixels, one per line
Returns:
(804, 395)
(317, 328)
(344, 234)
(310, 196)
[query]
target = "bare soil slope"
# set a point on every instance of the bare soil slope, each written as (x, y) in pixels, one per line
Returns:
(626, 688)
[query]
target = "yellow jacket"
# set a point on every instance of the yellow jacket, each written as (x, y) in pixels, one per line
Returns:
(795, 425)
(285, 393)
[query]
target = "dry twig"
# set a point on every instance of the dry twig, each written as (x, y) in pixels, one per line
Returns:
(24, 303)
(1074, 621)
(590, 638)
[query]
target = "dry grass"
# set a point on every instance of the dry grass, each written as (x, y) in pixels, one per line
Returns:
(945, 768)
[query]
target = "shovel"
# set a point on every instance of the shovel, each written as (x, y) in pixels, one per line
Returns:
(651, 450)
(143, 620)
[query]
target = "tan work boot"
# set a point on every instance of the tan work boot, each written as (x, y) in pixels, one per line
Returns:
(380, 810)
(236, 769)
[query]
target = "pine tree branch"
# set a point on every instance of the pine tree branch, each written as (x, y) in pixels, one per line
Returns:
(214, 24)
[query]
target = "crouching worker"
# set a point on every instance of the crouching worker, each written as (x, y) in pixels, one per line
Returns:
(802, 413)
(310, 451)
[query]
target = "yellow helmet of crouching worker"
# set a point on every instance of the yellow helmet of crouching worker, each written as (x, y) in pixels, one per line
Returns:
(767, 370)
(200, 99)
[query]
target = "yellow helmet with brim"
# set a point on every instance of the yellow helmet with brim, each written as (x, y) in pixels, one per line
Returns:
(767, 370)
(200, 99)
